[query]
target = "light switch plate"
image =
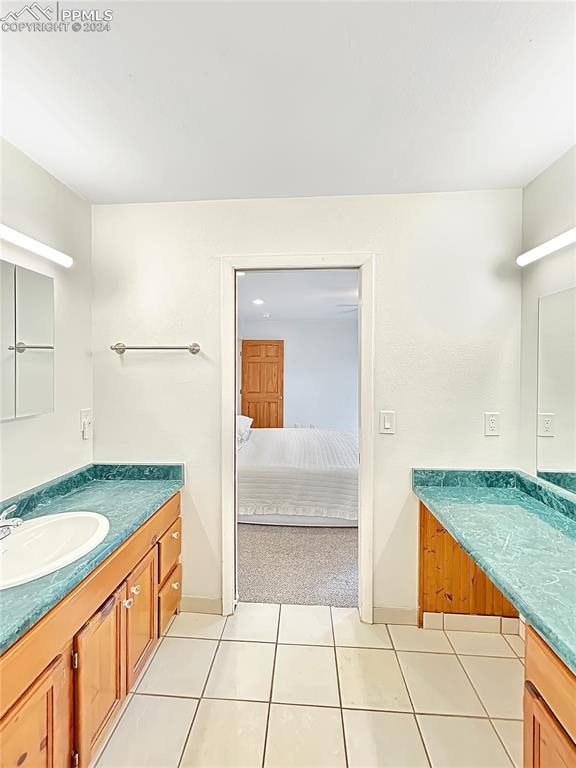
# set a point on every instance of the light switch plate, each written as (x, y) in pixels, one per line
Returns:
(86, 423)
(387, 422)
(546, 427)
(491, 424)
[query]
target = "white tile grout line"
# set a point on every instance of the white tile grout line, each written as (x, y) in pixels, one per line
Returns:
(483, 705)
(187, 739)
(339, 689)
(514, 649)
(367, 647)
(512, 761)
(95, 762)
(425, 746)
(128, 699)
(265, 745)
(330, 706)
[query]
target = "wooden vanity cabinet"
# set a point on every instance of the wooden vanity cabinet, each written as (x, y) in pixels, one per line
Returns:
(63, 684)
(36, 731)
(449, 579)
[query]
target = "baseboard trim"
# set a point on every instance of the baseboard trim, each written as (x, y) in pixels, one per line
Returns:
(395, 616)
(192, 604)
(472, 623)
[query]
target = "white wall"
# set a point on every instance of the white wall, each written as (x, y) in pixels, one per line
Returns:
(38, 448)
(447, 343)
(549, 208)
(320, 369)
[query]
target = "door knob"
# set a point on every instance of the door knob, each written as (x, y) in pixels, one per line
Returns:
(128, 603)
(136, 589)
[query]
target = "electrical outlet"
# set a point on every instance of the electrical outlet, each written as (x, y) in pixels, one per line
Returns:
(86, 423)
(491, 424)
(546, 427)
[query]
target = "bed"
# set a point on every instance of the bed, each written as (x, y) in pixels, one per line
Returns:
(298, 477)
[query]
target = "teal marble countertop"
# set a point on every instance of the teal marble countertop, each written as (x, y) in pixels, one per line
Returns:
(566, 480)
(127, 494)
(522, 533)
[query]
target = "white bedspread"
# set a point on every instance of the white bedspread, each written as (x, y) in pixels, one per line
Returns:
(307, 472)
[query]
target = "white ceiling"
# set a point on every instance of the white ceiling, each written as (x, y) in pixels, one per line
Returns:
(298, 294)
(214, 100)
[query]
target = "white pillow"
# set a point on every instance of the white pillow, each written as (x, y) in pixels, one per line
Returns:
(243, 424)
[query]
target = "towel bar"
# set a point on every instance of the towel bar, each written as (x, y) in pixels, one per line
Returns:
(120, 348)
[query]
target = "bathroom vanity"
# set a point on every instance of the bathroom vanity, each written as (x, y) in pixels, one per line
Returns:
(75, 641)
(498, 543)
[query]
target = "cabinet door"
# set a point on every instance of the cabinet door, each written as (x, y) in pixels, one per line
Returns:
(101, 674)
(37, 730)
(141, 614)
(546, 743)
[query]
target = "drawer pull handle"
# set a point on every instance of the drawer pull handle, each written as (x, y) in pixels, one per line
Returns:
(175, 535)
(136, 589)
(128, 603)
(175, 585)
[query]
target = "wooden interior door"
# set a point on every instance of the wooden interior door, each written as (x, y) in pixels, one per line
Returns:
(100, 685)
(36, 731)
(141, 615)
(263, 382)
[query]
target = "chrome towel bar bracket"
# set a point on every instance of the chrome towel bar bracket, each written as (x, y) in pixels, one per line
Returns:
(21, 347)
(120, 348)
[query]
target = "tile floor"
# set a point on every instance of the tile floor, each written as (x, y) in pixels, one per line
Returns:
(306, 686)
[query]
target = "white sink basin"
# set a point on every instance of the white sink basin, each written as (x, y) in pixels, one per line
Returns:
(45, 544)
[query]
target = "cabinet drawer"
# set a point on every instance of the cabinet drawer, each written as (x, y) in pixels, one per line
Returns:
(553, 680)
(169, 598)
(169, 548)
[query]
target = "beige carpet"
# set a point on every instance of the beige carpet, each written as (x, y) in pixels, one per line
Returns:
(293, 564)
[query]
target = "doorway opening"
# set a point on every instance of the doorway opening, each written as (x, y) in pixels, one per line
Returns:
(230, 265)
(297, 456)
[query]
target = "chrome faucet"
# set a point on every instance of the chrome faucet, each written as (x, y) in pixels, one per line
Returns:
(6, 525)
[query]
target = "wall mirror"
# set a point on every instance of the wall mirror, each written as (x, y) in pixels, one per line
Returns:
(556, 441)
(27, 339)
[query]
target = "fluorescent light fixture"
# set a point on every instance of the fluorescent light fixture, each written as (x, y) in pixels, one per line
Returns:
(35, 246)
(258, 301)
(558, 242)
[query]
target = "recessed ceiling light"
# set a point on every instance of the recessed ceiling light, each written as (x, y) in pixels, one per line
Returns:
(258, 301)
(240, 274)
